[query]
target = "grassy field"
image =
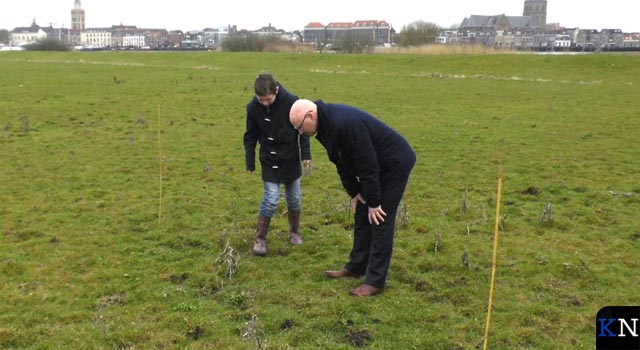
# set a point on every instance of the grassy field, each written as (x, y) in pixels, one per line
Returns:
(127, 217)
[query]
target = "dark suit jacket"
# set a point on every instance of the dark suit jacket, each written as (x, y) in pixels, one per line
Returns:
(363, 149)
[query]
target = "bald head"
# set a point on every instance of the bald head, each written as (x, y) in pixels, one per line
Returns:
(304, 116)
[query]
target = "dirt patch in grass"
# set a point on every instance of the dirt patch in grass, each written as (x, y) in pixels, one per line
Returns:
(532, 191)
(195, 333)
(177, 279)
(116, 299)
(286, 325)
(359, 338)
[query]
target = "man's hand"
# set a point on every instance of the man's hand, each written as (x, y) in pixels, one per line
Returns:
(355, 200)
(376, 215)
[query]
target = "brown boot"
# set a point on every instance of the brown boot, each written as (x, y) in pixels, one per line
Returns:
(365, 290)
(294, 227)
(341, 273)
(260, 247)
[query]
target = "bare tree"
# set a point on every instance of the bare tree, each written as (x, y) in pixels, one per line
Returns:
(47, 44)
(4, 36)
(354, 42)
(418, 33)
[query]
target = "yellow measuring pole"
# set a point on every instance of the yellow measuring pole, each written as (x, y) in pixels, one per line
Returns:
(495, 255)
(159, 166)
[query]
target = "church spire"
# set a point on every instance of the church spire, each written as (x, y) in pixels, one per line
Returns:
(77, 17)
(537, 10)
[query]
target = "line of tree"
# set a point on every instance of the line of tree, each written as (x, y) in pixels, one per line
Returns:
(245, 42)
(48, 44)
(414, 34)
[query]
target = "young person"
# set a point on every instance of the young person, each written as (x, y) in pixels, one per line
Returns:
(281, 152)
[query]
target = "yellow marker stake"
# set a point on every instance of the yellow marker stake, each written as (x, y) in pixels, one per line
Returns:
(160, 166)
(495, 255)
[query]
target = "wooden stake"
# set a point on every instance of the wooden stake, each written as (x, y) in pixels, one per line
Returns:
(494, 260)
(159, 166)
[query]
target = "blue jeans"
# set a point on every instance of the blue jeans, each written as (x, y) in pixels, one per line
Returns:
(293, 195)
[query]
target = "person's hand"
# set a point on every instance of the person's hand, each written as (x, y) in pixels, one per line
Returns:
(355, 200)
(376, 215)
(306, 165)
(250, 172)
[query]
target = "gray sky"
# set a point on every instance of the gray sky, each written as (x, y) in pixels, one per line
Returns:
(294, 15)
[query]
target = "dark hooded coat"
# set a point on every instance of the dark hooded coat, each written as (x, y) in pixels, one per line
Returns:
(281, 146)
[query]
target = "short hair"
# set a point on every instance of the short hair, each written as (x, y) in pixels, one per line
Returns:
(265, 84)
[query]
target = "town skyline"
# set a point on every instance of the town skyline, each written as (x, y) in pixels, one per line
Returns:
(251, 15)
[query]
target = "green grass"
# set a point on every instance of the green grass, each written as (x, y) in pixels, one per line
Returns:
(86, 262)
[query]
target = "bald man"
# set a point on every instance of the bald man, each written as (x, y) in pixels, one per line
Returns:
(374, 163)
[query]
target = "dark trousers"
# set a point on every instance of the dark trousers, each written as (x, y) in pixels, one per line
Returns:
(373, 244)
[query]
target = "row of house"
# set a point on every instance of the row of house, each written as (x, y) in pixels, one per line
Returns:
(372, 32)
(120, 36)
(516, 32)
(501, 31)
(529, 31)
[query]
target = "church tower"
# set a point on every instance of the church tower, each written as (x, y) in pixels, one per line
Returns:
(537, 10)
(77, 17)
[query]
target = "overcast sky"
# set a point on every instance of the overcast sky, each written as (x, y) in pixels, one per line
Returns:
(294, 15)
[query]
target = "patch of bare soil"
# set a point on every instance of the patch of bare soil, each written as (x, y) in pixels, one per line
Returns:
(359, 338)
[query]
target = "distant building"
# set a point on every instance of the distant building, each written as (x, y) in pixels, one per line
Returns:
(279, 34)
(337, 31)
(447, 37)
(210, 37)
(594, 40)
(269, 31)
(118, 35)
(611, 38)
(631, 41)
(27, 35)
(379, 31)
(134, 37)
(154, 37)
(371, 32)
(562, 42)
(77, 23)
(96, 38)
(174, 39)
(483, 30)
(224, 32)
(502, 30)
(134, 41)
(314, 32)
(77, 17)
(537, 11)
(60, 34)
(193, 39)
